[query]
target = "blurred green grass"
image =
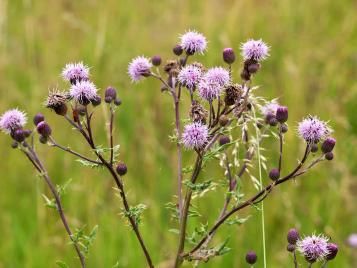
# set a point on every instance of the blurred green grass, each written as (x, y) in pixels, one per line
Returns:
(312, 69)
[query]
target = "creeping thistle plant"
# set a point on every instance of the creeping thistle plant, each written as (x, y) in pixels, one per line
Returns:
(226, 121)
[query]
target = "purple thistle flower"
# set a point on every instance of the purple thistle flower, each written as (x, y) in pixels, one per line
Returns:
(193, 42)
(270, 108)
(254, 49)
(12, 120)
(217, 75)
(73, 72)
(209, 91)
(195, 135)
(352, 240)
(314, 248)
(138, 68)
(83, 92)
(312, 130)
(189, 76)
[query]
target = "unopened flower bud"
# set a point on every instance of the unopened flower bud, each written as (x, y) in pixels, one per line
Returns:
(117, 102)
(229, 55)
(282, 114)
(333, 250)
(14, 144)
(251, 257)
(284, 128)
(27, 133)
(314, 148)
(224, 140)
(328, 145)
(38, 118)
(177, 50)
(274, 174)
(121, 169)
(44, 129)
(245, 75)
(18, 135)
(223, 120)
(110, 94)
(293, 236)
(43, 139)
(329, 156)
(156, 60)
(273, 122)
(290, 248)
(253, 68)
(96, 100)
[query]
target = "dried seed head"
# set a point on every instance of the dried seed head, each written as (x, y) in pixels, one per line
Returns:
(172, 67)
(223, 120)
(233, 94)
(198, 113)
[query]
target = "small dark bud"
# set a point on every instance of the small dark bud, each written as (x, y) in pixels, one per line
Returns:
(290, 248)
(268, 117)
(61, 109)
(273, 122)
(329, 156)
(251, 257)
(121, 169)
(282, 114)
(253, 68)
(328, 145)
(24, 144)
(284, 128)
(96, 100)
(314, 148)
(198, 113)
(229, 55)
(18, 135)
(108, 99)
(274, 174)
(43, 139)
(117, 102)
(110, 92)
(190, 52)
(224, 140)
(156, 60)
(27, 133)
(14, 144)
(333, 250)
(81, 110)
(177, 50)
(223, 120)
(293, 236)
(44, 129)
(245, 75)
(38, 118)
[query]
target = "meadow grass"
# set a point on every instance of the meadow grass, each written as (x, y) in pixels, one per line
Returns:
(312, 68)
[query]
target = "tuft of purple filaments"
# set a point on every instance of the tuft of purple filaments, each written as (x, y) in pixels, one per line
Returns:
(254, 50)
(189, 76)
(139, 67)
(269, 108)
(314, 247)
(312, 130)
(83, 91)
(209, 90)
(193, 42)
(75, 72)
(12, 120)
(195, 135)
(217, 75)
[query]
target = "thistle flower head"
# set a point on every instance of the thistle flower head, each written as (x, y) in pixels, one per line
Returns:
(189, 76)
(73, 72)
(12, 120)
(195, 135)
(312, 130)
(209, 90)
(217, 75)
(83, 92)
(193, 42)
(139, 67)
(254, 50)
(270, 108)
(314, 247)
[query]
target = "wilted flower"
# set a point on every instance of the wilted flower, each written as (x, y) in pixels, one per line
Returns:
(217, 75)
(139, 68)
(193, 42)
(209, 91)
(312, 130)
(313, 247)
(189, 76)
(12, 120)
(254, 50)
(73, 72)
(195, 135)
(83, 92)
(56, 100)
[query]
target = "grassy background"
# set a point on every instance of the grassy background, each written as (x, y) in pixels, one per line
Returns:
(312, 69)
